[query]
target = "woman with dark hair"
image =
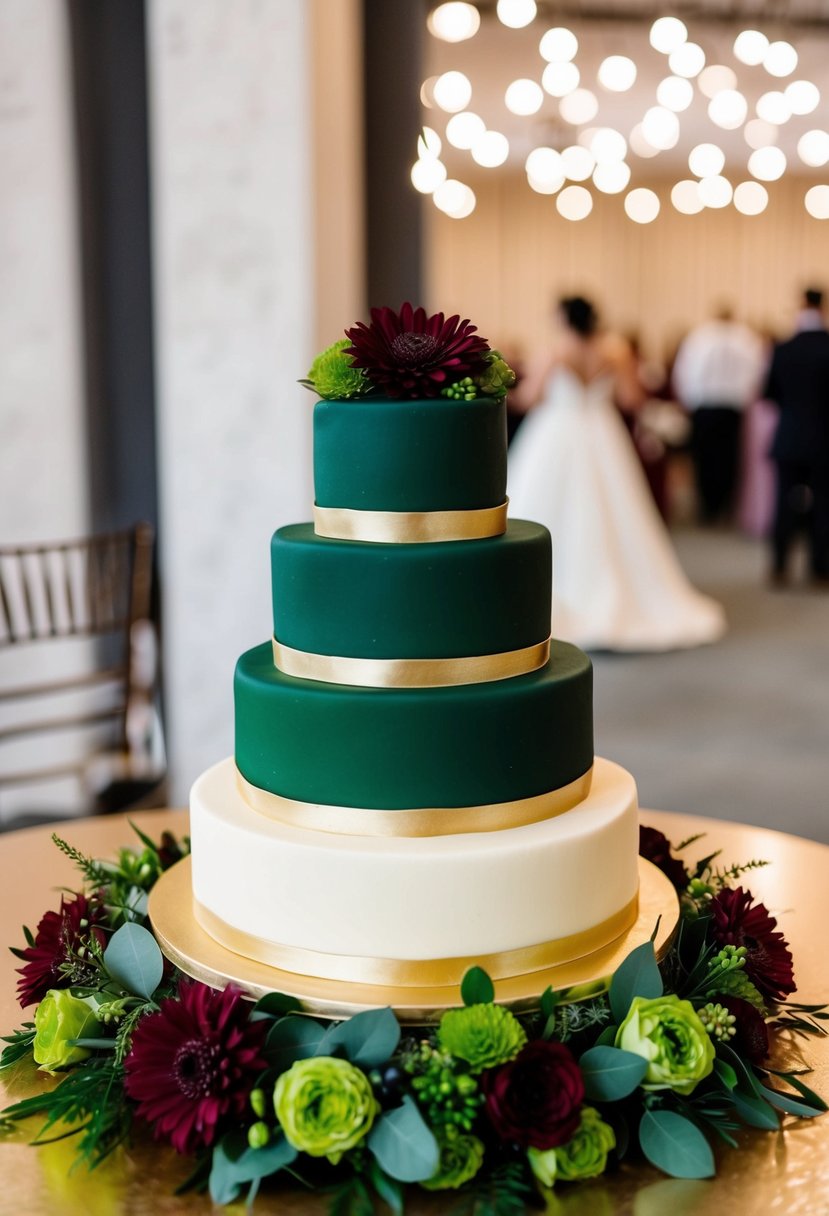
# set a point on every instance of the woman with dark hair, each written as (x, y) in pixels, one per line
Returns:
(617, 583)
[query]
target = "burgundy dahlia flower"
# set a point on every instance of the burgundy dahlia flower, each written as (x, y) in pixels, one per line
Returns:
(738, 921)
(59, 936)
(194, 1063)
(655, 847)
(534, 1101)
(408, 354)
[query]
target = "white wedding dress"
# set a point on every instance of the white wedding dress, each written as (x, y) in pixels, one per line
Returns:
(617, 583)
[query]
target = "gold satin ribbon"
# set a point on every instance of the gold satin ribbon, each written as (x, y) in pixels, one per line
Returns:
(409, 527)
(407, 973)
(421, 821)
(409, 673)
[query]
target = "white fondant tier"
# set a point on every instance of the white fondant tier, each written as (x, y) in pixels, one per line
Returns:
(435, 898)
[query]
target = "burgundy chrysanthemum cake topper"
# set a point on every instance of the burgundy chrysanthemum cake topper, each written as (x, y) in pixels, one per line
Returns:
(409, 355)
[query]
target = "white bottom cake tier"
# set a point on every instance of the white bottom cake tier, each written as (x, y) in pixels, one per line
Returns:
(403, 910)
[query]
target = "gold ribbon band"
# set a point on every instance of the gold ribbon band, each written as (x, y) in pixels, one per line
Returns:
(409, 973)
(409, 527)
(409, 673)
(422, 821)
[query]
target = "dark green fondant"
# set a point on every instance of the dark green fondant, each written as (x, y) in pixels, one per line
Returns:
(404, 748)
(420, 601)
(438, 455)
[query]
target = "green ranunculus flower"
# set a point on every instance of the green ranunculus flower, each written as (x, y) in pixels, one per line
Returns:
(59, 1017)
(333, 375)
(667, 1032)
(460, 1160)
(585, 1153)
(496, 376)
(483, 1035)
(325, 1106)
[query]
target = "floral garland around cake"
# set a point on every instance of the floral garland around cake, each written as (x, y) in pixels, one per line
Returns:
(408, 354)
(498, 1108)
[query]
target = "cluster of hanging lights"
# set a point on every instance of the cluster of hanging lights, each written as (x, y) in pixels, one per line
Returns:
(597, 156)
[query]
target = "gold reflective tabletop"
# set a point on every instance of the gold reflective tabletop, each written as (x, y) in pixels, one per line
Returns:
(785, 1172)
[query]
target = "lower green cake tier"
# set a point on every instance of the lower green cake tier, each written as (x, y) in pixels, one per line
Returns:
(397, 749)
(342, 597)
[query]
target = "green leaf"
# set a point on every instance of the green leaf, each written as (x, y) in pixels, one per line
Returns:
(549, 1000)
(367, 1039)
(675, 1145)
(747, 1081)
(793, 1079)
(390, 1191)
(725, 1073)
(638, 975)
(275, 1005)
(292, 1039)
(790, 1105)
(755, 1111)
(403, 1145)
(134, 960)
(610, 1073)
(608, 1037)
(229, 1172)
(476, 987)
(351, 1198)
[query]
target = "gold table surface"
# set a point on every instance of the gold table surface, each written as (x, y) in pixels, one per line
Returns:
(785, 1172)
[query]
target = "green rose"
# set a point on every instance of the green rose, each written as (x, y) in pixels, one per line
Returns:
(59, 1017)
(583, 1156)
(460, 1160)
(333, 375)
(483, 1035)
(668, 1033)
(325, 1106)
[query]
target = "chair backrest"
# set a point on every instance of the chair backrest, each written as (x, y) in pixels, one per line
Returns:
(95, 588)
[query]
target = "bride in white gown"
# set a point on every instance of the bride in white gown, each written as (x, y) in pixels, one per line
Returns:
(617, 583)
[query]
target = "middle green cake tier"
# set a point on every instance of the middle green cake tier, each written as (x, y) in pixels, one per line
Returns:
(395, 748)
(419, 601)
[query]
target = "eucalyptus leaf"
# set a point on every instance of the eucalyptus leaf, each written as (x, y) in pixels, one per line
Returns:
(275, 1005)
(403, 1145)
(368, 1039)
(292, 1039)
(610, 1073)
(747, 1081)
(476, 987)
(638, 975)
(134, 961)
(675, 1145)
(229, 1173)
(608, 1037)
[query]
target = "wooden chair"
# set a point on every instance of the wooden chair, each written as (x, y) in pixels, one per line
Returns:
(68, 713)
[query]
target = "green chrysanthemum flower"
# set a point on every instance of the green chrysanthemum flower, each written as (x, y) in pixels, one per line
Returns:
(333, 375)
(496, 376)
(483, 1035)
(325, 1106)
(460, 1160)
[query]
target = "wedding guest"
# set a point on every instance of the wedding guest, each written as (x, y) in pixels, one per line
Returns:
(798, 383)
(717, 374)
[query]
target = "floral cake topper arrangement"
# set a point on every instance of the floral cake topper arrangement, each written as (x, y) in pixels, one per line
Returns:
(495, 1108)
(408, 354)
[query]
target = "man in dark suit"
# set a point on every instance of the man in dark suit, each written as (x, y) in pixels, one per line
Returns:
(798, 382)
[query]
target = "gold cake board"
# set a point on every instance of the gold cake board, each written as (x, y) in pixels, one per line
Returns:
(193, 951)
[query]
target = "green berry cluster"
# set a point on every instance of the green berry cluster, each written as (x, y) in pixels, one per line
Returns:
(450, 1098)
(461, 390)
(719, 1023)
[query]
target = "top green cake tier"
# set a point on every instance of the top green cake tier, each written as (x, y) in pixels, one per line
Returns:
(430, 455)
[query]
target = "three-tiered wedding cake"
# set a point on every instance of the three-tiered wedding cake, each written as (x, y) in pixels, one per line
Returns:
(414, 788)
